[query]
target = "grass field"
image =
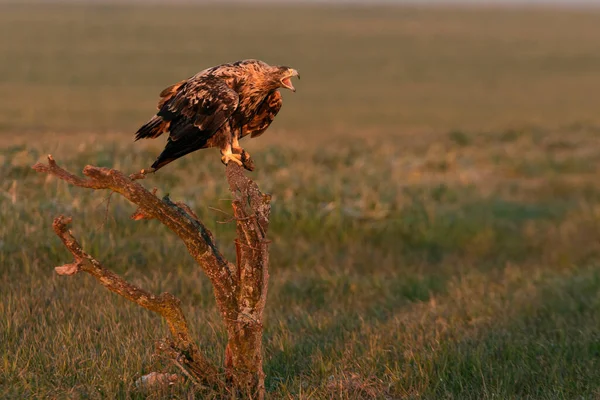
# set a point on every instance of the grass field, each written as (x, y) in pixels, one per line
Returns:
(436, 206)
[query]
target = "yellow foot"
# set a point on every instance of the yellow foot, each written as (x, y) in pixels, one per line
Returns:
(236, 158)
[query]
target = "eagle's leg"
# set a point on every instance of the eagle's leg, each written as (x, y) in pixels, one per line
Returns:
(236, 148)
(245, 156)
(228, 155)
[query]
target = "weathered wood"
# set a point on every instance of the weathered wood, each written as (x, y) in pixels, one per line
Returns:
(198, 240)
(244, 347)
(240, 290)
(165, 304)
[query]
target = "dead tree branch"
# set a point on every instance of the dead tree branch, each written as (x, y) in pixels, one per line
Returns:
(251, 210)
(165, 304)
(203, 248)
(240, 290)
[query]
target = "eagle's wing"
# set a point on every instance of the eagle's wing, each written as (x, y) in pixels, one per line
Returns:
(197, 106)
(200, 106)
(157, 125)
(192, 112)
(265, 114)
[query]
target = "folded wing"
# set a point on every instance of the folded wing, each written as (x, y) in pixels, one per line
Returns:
(192, 111)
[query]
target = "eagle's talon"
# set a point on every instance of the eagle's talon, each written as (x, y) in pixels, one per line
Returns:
(247, 161)
(236, 158)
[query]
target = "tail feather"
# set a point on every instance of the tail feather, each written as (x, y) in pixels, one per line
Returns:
(159, 163)
(176, 149)
(153, 128)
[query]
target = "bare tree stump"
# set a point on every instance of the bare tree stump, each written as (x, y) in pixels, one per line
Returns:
(240, 289)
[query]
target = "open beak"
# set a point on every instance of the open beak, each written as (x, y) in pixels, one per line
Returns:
(287, 81)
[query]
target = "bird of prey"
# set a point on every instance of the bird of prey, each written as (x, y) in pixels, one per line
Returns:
(216, 108)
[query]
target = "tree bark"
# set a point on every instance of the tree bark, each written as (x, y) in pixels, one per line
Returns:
(251, 208)
(240, 290)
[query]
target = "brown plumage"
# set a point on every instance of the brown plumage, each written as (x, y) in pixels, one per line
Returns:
(217, 107)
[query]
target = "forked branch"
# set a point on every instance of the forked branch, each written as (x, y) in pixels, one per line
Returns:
(240, 290)
(165, 304)
(186, 226)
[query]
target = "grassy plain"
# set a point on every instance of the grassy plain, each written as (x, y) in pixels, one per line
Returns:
(436, 214)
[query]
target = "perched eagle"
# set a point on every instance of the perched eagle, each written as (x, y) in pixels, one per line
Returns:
(216, 108)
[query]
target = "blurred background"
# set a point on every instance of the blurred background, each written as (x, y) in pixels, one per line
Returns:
(99, 67)
(436, 218)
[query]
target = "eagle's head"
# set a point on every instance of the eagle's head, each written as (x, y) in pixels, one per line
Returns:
(284, 77)
(270, 77)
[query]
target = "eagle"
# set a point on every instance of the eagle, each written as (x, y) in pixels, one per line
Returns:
(216, 108)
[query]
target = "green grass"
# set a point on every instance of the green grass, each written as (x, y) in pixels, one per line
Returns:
(436, 221)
